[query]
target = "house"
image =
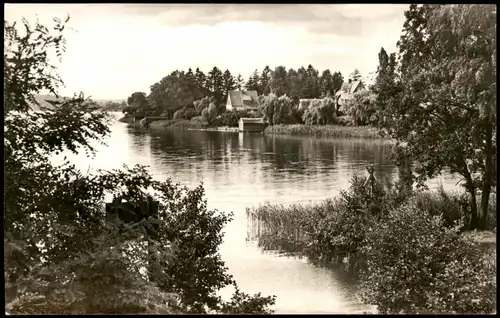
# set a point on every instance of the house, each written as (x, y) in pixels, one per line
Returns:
(252, 124)
(242, 100)
(347, 91)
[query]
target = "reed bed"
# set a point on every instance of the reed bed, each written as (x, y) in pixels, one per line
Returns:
(177, 124)
(331, 131)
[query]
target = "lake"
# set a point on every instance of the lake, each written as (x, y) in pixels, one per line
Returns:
(244, 170)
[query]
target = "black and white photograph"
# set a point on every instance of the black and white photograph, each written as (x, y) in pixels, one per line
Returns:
(209, 158)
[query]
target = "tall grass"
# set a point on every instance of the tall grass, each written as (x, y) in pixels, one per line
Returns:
(333, 131)
(381, 235)
(178, 124)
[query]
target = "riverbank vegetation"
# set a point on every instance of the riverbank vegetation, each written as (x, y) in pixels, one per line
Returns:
(409, 251)
(62, 253)
(412, 250)
(332, 131)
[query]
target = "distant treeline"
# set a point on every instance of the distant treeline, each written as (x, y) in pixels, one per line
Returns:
(181, 88)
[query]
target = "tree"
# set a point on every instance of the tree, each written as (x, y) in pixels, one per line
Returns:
(330, 83)
(229, 83)
(58, 244)
(320, 112)
(175, 91)
(200, 78)
(253, 83)
(293, 84)
(276, 110)
(215, 83)
(137, 104)
(440, 107)
(265, 81)
(209, 114)
(278, 81)
(355, 75)
(312, 85)
(239, 82)
(362, 108)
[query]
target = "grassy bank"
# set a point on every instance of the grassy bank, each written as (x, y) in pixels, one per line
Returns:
(406, 250)
(178, 124)
(333, 131)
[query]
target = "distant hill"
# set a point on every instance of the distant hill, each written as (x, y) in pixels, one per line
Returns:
(42, 100)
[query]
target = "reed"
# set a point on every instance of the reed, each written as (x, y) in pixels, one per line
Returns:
(177, 124)
(331, 131)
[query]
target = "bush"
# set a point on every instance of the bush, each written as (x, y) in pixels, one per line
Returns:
(415, 264)
(62, 252)
(185, 113)
(343, 121)
(209, 114)
(320, 112)
(229, 118)
(362, 108)
(276, 110)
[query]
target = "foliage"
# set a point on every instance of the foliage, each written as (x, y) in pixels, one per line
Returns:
(138, 105)
(330, 131)
(417, 265)
(440, 106)
(332, 231)
(276, 110)
(209, 114)
(362, 108)
(186, 113)
(406, 250)
(355, 75)
(242, 303)
(60, 247)
(229, 118)
(344, 121)
(320, 112)
(203, 103)
(177, 90)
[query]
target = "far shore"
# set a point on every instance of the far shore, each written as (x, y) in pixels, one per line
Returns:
(324, 131)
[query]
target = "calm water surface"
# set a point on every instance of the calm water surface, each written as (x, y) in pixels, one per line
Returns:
(245, 170)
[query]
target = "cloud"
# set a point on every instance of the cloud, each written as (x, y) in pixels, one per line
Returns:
(342, 19)
(122, 48)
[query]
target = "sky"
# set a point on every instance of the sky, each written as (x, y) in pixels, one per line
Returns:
(114, 50)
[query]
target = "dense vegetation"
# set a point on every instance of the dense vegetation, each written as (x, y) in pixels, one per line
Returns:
(62, 253)
(410, 249)
(438, 102)
(407, 250)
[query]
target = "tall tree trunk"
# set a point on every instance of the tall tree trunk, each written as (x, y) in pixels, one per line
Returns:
(472, 192)
(488, 170)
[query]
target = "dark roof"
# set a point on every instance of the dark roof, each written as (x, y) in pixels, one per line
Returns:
(237, 96)
(349, 88)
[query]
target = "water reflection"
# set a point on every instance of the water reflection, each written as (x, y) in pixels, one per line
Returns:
(245, 170)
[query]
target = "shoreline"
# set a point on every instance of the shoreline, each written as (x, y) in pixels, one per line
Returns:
(297, 130)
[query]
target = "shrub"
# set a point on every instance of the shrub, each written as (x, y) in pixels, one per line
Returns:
(320, 112)
(362, 108)
(229, 118)
(209, 114)
(276, 110)
(343, 121)
(415, 264)
(185, 113)
(60, 248)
